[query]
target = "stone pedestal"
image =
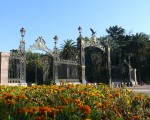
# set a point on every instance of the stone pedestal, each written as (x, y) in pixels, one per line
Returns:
(4, 62)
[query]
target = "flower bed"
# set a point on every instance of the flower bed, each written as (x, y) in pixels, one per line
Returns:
(72, 102)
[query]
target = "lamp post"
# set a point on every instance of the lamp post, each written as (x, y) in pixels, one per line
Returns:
(22, 57)
(22, 31)
(55, 64)
(80, 29)
(55, 40)
(22, 42)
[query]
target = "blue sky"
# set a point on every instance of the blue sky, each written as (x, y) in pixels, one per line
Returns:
(48, 18)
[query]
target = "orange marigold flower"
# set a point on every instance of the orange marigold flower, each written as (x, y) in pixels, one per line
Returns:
(98, 104)
(9, 102)
(33, 110)
(78, 102)
(44, 109)
(1, 97)
(60, 107)
(40, 118)
(61, 96)
(72, 110)
(65, 101)
(8, 96)
(21, 97)
(86, 109)
(23, 110)
(70, 99)
(136, 117)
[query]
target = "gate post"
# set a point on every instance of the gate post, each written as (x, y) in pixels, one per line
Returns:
(81, 57)
(55, 60)
(4, 61)
(22, 58)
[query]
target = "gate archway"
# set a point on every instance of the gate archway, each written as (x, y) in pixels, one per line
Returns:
(97, 57)
(43, 73)
(40, 44)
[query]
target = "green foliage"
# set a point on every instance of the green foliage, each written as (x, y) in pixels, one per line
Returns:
(34, 67)
(135, 47)
(68, 50)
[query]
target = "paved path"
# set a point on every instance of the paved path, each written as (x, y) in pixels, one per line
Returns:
(141, 89)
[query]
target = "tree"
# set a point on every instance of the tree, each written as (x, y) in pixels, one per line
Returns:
(117, 41)
(117, 34)
(138, 48)
(35, 62)
(68, 50)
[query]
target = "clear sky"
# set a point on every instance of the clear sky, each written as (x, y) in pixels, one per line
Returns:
(48, 18)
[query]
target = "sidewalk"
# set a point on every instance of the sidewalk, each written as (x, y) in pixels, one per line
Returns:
(141, 89)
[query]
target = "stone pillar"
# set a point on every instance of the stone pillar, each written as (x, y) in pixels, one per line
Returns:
(135, 79)
(55, 65)
(81, 59)
(4, 62)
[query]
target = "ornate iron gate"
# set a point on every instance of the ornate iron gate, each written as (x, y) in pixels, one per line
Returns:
(17, 63)
(79, 64)
(93, 42)
(64, 70)
(40, 44)
(67, 70)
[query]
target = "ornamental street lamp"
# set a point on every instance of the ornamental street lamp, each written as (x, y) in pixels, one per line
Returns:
(22, 57)
(22, 42)
(55, 40)
(55, 66)
(80, 29)
(22, 31)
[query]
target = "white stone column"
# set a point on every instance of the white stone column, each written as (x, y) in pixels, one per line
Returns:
(4, 62)
(135, 79)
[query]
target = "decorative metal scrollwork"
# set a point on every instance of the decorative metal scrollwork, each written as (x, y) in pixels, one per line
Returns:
(40, 44)
(93, 42)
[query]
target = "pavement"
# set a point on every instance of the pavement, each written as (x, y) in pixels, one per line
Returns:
(141, 89)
